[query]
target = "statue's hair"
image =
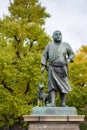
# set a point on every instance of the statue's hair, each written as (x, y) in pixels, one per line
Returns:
(56, 31)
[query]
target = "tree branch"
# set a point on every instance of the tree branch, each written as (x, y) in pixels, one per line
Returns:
(5, 86)
(17, 39)
(27, 88)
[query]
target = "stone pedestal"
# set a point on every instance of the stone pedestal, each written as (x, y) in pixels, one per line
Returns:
(52, 119)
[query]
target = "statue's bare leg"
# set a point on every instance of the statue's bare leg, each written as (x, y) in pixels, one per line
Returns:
(63, 99)
(52, 96)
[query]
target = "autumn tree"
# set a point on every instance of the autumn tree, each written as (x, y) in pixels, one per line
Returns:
(78, 79)
(22, 39)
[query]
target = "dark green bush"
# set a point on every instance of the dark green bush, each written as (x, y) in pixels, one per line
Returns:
(83, 126)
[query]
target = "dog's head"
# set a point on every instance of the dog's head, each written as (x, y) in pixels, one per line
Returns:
(41, 86)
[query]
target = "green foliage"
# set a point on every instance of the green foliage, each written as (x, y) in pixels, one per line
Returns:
(78, 80)
(79, 68)
(83, 126)
(30, 10)
(20, 59)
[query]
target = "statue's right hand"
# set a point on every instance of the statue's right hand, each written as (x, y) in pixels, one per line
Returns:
(68, 61)
(42, 69)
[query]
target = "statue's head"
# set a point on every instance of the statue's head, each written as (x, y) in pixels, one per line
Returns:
(57, 36)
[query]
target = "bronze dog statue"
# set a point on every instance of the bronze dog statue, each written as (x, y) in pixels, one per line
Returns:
(42, 96)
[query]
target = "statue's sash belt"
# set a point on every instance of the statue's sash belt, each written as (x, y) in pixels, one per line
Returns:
(59, 69)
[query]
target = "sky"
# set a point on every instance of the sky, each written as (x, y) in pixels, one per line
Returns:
(68, 16)
(4, 7)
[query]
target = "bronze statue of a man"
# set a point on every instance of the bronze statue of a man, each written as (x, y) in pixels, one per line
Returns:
(58, 54)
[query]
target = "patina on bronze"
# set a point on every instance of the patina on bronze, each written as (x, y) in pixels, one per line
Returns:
(58, 55)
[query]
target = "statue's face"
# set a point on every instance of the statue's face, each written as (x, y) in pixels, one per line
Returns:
(57, 36)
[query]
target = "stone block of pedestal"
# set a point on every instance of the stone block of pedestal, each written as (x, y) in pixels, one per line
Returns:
(55, 118)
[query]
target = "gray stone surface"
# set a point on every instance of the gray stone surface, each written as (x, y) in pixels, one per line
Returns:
(54, 126)
(54, 111)
(53, 122)
(54, 118)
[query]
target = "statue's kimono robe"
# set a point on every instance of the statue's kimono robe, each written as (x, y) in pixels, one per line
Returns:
(56, 56)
